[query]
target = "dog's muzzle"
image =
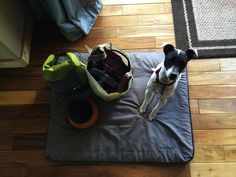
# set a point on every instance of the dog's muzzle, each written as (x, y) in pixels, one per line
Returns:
(165, 84)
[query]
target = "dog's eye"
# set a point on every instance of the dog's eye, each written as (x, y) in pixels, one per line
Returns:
(182, 65)
(168, 63)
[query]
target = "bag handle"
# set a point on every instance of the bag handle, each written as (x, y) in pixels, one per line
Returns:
(52, 72)
(75, 60)
(80, 67)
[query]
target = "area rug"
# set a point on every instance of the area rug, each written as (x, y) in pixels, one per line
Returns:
(206, 25)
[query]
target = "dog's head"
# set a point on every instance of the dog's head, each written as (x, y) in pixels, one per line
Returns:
(176, 60)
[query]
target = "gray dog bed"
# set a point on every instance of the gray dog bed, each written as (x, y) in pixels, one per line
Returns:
(121, 133)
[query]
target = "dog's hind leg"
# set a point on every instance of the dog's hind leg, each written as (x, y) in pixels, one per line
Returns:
(156, 109)
(147, 99)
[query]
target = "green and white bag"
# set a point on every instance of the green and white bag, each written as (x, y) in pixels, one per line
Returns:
(64, 72)
(109, 71)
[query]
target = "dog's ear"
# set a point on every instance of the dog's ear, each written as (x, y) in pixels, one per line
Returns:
(168, 48)
(191, 53)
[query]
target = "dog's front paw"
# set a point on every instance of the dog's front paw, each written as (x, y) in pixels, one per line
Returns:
(151, 117)
(141, 110)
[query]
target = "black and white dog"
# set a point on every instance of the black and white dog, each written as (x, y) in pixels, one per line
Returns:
(165, 77)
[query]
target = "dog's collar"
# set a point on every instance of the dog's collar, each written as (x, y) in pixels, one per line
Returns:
(158, 80)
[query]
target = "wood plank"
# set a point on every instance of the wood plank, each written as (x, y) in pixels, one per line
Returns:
(156, 19)
(228, 64)
(230, 153)
(214, 121)
(214, 137)
(194, 106)
(114, 2)
(217, 106)
(27, 72)
(111, 10)
(14, 170)
(164, 39)
(144, 50)
(212, 91)
(204, 65)
(137, 9)
(213, 169)
(6, 142)
(29, 141)
(30, 157)
(122, 43)
(110, 21)
(219, 121)
(23, 84)
(109, 170)
(14, 126)
(34, 111)
(198, 121)
(38, 57)
(102, 32)
(209, 154)
(145, 31)
(168, 8)
(211, 78)
(24, 97)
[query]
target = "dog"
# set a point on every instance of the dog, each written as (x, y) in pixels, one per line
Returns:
(165, 77)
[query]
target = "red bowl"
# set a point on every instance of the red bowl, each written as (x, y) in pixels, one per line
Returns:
(83, 113)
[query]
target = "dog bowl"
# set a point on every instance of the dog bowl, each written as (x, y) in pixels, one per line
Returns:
(83, 113)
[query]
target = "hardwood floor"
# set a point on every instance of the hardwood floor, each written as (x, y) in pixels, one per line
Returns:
(141, 25)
